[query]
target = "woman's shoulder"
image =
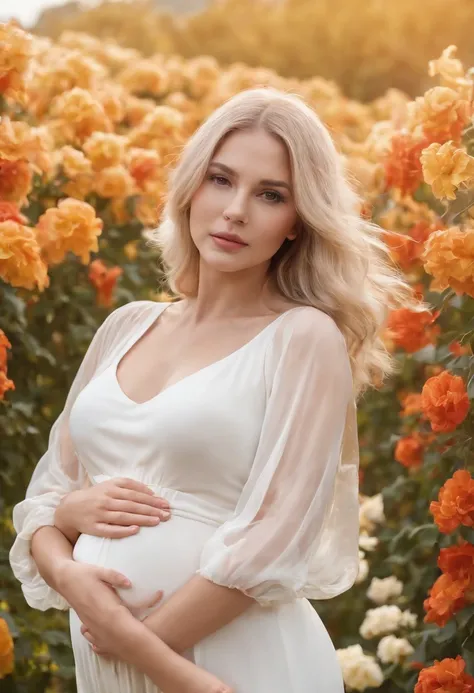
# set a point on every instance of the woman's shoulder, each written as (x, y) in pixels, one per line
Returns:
(308, 324)
(124, 320)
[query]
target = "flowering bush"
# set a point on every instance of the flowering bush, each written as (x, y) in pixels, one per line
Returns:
(87, 134)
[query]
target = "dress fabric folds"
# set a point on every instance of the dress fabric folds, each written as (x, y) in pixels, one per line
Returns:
(257, 454)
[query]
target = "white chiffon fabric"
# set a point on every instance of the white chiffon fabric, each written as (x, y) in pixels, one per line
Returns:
(258, 455)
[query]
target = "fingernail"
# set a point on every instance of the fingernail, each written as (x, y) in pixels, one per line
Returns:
(166, 513)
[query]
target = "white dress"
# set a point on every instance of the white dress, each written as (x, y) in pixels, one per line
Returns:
(257, 454)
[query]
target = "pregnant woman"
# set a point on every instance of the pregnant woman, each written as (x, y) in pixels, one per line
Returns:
(236, 407)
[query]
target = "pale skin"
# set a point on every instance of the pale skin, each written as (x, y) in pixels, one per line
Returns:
(236, 299)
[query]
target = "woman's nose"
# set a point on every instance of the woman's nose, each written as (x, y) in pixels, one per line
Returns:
(236, 212)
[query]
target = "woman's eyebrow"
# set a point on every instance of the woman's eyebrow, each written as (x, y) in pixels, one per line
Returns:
(266, 181)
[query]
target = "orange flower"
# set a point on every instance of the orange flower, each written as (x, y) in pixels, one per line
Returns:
(9, 212)
(20, 257)
(441, 114)
(455, 504)
(402, 164)
(15, 181)
(14, 58)
(454, 589)
(4, 345)
(104, 281)
(5, 383)
(411, 404)
(445, 401)
(411, 330)
(445, 676)
(458, 349)
(458, 561)
(407, 250)
(72, 226)
(144, 165)
(449, 257)
(6, 650)
(409, 452)
(445, 598)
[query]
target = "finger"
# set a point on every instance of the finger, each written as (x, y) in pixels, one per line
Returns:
(132, 484)
(136, 508)
(103, 529)
(138, 497)
(150, 601)
(113, 577)
(125, 519)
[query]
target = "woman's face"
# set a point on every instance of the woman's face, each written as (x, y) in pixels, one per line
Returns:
(247, 191)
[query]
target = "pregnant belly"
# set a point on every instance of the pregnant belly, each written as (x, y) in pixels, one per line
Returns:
(163, 557)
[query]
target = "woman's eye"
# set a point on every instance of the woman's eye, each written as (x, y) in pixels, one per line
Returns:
(220, 180)
(276, 196)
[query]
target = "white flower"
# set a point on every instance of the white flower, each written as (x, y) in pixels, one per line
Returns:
(359, 671)
(363, 568)
(408, 619)
(368, 543)
(392, 650)
(371, 511)
(382, 590)
(384, 619)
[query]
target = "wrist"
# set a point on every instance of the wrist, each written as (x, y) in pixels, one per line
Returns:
(61, 520)
(59, 573)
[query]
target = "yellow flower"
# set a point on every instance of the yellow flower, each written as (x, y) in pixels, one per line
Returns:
(446, 168)
(160, 125)
(145, 77)
(148, 209)
(15, 181)
(74, 162)
(19, 141)
(440, 114)
(79, 114)
(21, 264)
(136, 109)
(7, 656)
(15, 52)
(113, 98)
(105, 149)
(449, 258)
(452, 73)
(202, 74)
(114, 181)
(72, 226)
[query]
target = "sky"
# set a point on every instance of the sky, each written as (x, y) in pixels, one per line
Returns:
(26, 11)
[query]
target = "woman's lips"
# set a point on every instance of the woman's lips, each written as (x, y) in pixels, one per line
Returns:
(227, 244)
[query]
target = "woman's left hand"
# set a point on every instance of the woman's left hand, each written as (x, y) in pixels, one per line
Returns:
(113, 639)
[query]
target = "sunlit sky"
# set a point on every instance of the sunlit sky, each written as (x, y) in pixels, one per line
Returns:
(26, 11)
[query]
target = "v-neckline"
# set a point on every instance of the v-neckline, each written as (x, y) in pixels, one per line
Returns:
(148, 326)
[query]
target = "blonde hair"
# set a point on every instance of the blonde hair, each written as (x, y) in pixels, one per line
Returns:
(338, 262)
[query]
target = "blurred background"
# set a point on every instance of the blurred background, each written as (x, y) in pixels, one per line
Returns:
(96, 101)
(365, 46)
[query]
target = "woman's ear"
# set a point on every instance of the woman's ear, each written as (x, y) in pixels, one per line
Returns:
(293, 233)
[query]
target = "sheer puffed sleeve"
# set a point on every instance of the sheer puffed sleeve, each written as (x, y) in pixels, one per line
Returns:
(295, 529)
(58, 472)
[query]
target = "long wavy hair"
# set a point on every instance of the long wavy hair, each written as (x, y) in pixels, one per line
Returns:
(338, 263)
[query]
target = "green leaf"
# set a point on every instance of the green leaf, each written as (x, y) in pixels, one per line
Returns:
(465, 615)
(446, 633)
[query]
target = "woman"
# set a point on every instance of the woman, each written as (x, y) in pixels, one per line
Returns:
(236, 407)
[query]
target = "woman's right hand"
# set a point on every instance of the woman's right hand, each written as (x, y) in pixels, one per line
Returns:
(114, 508)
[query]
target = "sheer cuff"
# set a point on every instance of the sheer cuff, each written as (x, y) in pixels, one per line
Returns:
(38, 594)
